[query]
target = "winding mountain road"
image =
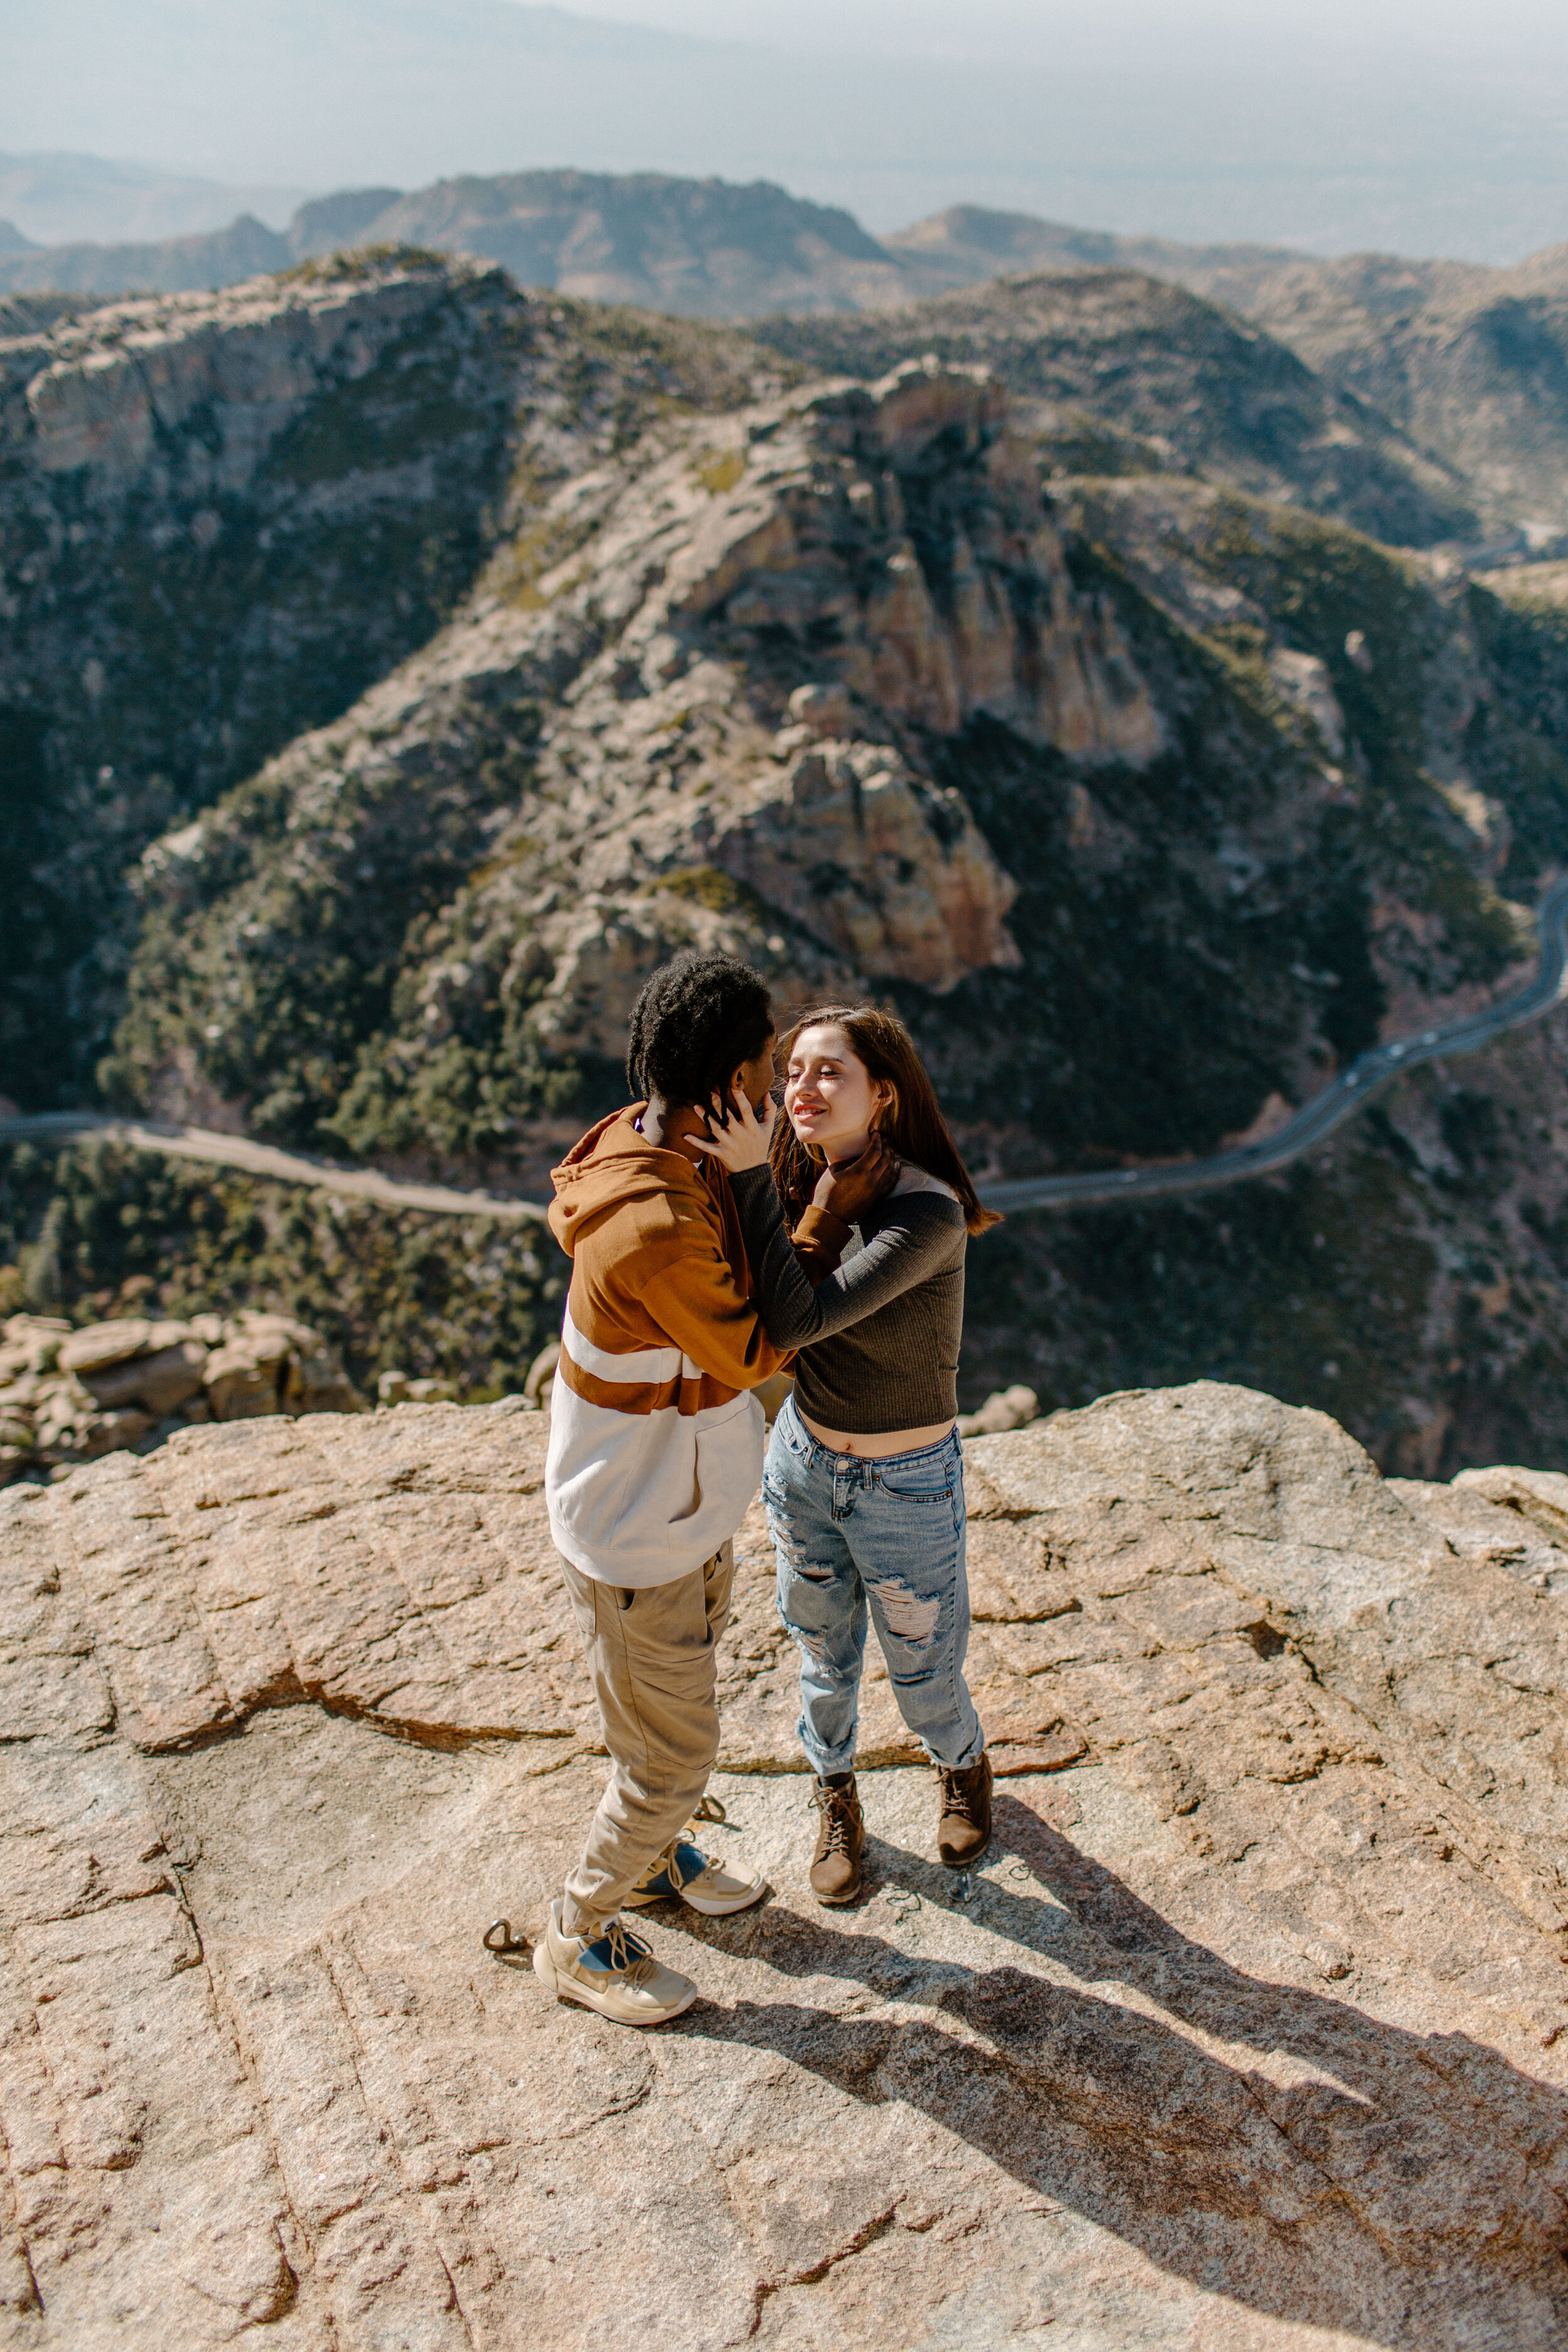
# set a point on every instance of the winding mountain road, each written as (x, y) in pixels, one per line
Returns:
(260, 1159)
(1338, 1100)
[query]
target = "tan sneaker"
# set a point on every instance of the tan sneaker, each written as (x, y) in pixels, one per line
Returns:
(963, 1830)
(615, 1973)
(841, 1843)
(684, 1870)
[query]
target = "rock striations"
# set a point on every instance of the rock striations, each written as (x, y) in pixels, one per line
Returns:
(1248, 2033)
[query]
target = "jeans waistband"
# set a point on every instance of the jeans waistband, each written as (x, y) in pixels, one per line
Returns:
(801, 1440)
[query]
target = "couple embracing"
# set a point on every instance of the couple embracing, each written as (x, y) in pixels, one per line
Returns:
(712, 1244)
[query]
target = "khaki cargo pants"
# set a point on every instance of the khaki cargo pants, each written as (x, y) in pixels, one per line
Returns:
(652, 1654)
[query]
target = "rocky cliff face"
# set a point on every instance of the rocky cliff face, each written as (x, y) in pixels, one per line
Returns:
(221, 520)
(1467, 361)
(1249, 2030)
(1120, 374)
(697, 699)
(1464, 359)
(1449, 373)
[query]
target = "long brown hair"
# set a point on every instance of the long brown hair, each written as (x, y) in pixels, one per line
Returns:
(911, 1122)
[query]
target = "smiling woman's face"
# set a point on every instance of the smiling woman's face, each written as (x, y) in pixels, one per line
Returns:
(830, 1097)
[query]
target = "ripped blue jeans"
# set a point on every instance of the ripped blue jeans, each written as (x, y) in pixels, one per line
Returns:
(884, 1538)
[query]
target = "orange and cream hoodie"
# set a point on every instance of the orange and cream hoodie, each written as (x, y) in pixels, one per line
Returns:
(656, 1442)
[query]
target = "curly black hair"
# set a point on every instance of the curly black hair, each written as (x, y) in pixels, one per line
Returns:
(697, 1019)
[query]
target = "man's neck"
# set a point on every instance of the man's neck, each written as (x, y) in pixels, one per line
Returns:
(667, 1125)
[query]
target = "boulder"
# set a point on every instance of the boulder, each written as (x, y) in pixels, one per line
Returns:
(1011, 1408)
(158, 1380)
(314, 1381)
(1249, 2031)
(245, 1379)
(1537, 1496)
(98, 1345)
(540, 1375)
(31, 1343)
(68, 1396)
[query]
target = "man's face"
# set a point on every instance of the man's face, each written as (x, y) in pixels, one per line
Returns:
(757, 1075)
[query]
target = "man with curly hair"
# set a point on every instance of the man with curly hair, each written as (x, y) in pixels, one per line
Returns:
(656, 1450)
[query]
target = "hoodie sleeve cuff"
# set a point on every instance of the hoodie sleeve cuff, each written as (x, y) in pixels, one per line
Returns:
(820, 1240)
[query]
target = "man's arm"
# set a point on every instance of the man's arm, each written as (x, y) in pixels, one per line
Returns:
(842, 1196)
(696, 1299)
(819, 1242)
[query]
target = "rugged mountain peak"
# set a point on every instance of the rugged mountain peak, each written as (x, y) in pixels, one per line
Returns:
(212, 381)
(742, 643)
(900, 527)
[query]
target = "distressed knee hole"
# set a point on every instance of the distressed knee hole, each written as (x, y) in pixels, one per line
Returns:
(908, 1617)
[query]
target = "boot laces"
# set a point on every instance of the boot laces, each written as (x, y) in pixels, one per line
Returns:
(837, 1807)
(960, 1792)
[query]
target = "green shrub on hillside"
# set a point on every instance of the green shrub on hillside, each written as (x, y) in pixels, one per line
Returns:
(99, 1228)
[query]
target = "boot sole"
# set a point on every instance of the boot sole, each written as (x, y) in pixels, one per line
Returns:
(579, 1997)
(837, 1902)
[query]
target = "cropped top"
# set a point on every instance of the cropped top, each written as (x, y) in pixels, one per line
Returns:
(879, 1330)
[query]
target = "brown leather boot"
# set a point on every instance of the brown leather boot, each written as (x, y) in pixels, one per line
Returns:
(841, 1843)
(963, 1833)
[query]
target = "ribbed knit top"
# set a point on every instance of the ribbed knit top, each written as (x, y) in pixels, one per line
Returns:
(879, 1334)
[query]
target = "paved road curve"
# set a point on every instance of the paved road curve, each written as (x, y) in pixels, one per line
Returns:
(1340, 1100)
(260, 1159)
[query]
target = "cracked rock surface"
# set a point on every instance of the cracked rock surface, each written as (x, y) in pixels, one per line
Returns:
(1247, 2032)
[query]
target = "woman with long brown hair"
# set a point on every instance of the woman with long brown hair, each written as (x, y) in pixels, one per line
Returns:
(864, 1479)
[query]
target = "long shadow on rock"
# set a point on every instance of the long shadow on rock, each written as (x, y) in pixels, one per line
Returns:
(1406, 2188)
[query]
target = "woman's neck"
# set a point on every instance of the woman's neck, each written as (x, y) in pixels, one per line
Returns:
(846, 1147)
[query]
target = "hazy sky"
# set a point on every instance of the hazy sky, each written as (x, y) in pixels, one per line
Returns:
(1039, 30)
(1431, 128)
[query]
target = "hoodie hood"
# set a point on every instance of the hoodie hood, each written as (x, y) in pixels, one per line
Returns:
(612, 1166)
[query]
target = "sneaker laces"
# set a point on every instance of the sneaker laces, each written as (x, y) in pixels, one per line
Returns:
(670, 1862)
(837, 1807)
(630, 1956)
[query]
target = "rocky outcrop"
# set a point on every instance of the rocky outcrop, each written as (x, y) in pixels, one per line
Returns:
(1248, 2030)
(68, 1396)
(223, 517)
(1118, 374)
(695, 701)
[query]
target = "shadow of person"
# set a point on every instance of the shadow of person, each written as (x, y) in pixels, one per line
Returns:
(1405, 2188)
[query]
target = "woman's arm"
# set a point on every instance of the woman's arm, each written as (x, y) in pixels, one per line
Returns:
(912, 1245)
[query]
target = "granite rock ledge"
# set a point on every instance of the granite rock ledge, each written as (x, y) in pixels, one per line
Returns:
(1250, 2033)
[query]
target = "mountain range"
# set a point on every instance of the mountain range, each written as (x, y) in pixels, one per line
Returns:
(398, 662)
(1455, 374)
(1328, 126)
